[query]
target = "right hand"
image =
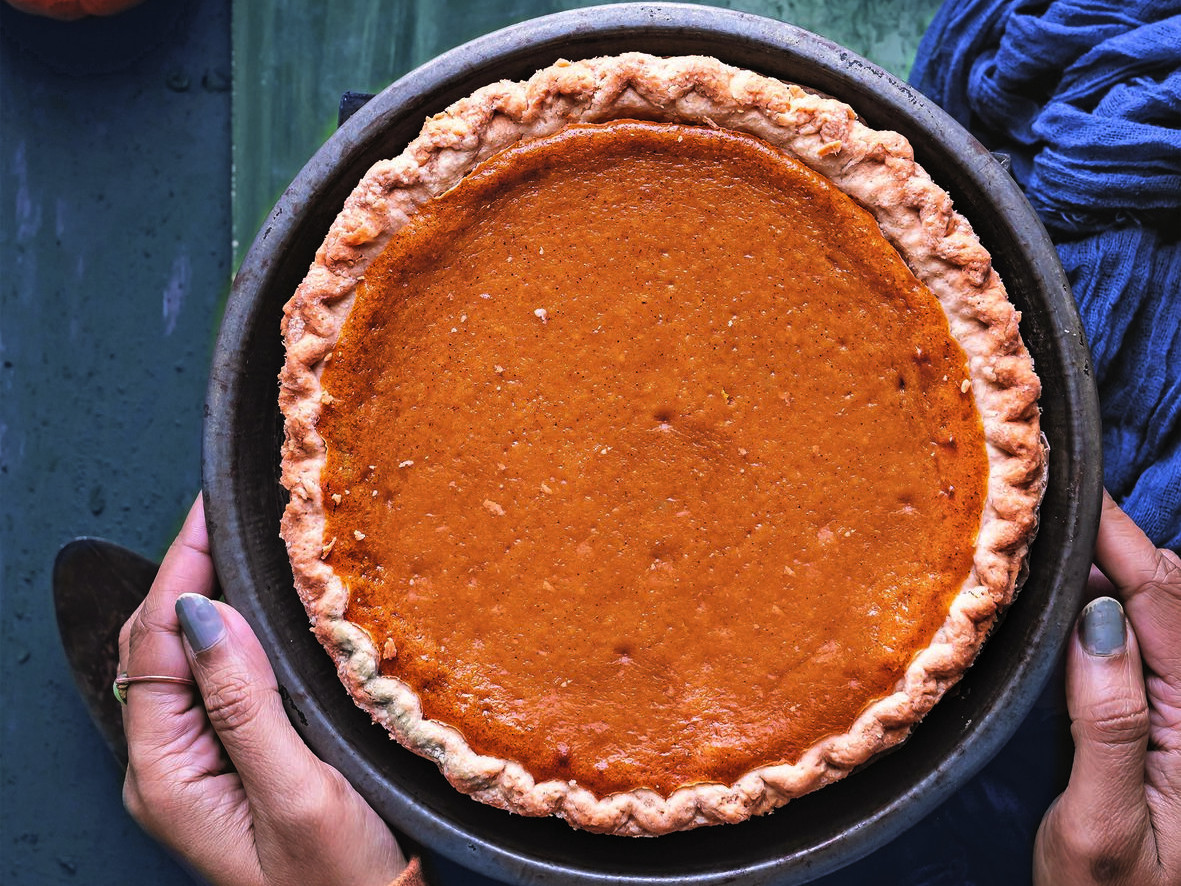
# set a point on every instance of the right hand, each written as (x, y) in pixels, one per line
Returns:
(1118, 823)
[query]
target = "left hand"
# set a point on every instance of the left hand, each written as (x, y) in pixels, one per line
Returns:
(216, 772)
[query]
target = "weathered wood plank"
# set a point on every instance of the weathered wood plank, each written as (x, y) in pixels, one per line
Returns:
(294, 58)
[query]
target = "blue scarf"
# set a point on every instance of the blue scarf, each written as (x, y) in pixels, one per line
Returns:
(1085, 97)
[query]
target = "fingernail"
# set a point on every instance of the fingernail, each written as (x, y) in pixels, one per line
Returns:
(1102, 628)
(200, 621)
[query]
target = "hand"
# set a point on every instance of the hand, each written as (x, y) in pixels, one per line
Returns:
(1119, 819)
(217, 773)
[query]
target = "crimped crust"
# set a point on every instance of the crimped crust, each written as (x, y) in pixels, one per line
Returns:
(875, 168)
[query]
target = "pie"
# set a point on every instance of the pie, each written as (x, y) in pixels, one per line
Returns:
(660, 443)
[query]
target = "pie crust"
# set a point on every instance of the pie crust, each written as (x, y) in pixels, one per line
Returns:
(877, 170)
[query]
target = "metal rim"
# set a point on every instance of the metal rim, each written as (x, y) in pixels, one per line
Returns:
(242, 499)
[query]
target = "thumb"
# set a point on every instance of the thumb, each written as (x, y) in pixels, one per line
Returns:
(1104, 809)
(308, 824)
(241, 698)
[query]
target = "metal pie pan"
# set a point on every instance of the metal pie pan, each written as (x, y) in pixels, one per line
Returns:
(812, 835)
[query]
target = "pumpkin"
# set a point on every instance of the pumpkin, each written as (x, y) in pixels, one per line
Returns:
(70, 10)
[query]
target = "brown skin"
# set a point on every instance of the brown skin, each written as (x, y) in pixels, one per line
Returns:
(219, 775)
(1118, 823)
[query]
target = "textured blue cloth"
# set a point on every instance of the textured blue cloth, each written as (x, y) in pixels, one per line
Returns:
(1085, 96)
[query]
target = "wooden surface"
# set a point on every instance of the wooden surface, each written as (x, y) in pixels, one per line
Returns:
(293, 60)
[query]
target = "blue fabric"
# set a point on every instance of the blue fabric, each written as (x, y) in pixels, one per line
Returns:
(1085, 97)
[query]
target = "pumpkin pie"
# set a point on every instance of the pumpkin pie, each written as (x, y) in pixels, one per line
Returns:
(660, 442)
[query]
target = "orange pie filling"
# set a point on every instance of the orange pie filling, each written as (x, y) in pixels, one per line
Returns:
(650, 463)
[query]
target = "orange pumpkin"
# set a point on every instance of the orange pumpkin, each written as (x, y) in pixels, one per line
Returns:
(69, 10)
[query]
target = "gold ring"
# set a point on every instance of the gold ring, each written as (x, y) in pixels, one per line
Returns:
(123, 681)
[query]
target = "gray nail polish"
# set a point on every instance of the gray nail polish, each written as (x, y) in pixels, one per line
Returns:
(200, 621)
(1102, 628)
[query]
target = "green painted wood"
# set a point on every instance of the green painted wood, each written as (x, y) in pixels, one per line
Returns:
(294, 58)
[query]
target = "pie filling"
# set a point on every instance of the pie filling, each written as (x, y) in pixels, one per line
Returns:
(650, 463)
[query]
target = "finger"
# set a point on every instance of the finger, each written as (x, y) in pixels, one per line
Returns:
(241, 699)
(187, 568)
(297, 803)
(154, 716)
(1104, 806)
(1149, 582)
